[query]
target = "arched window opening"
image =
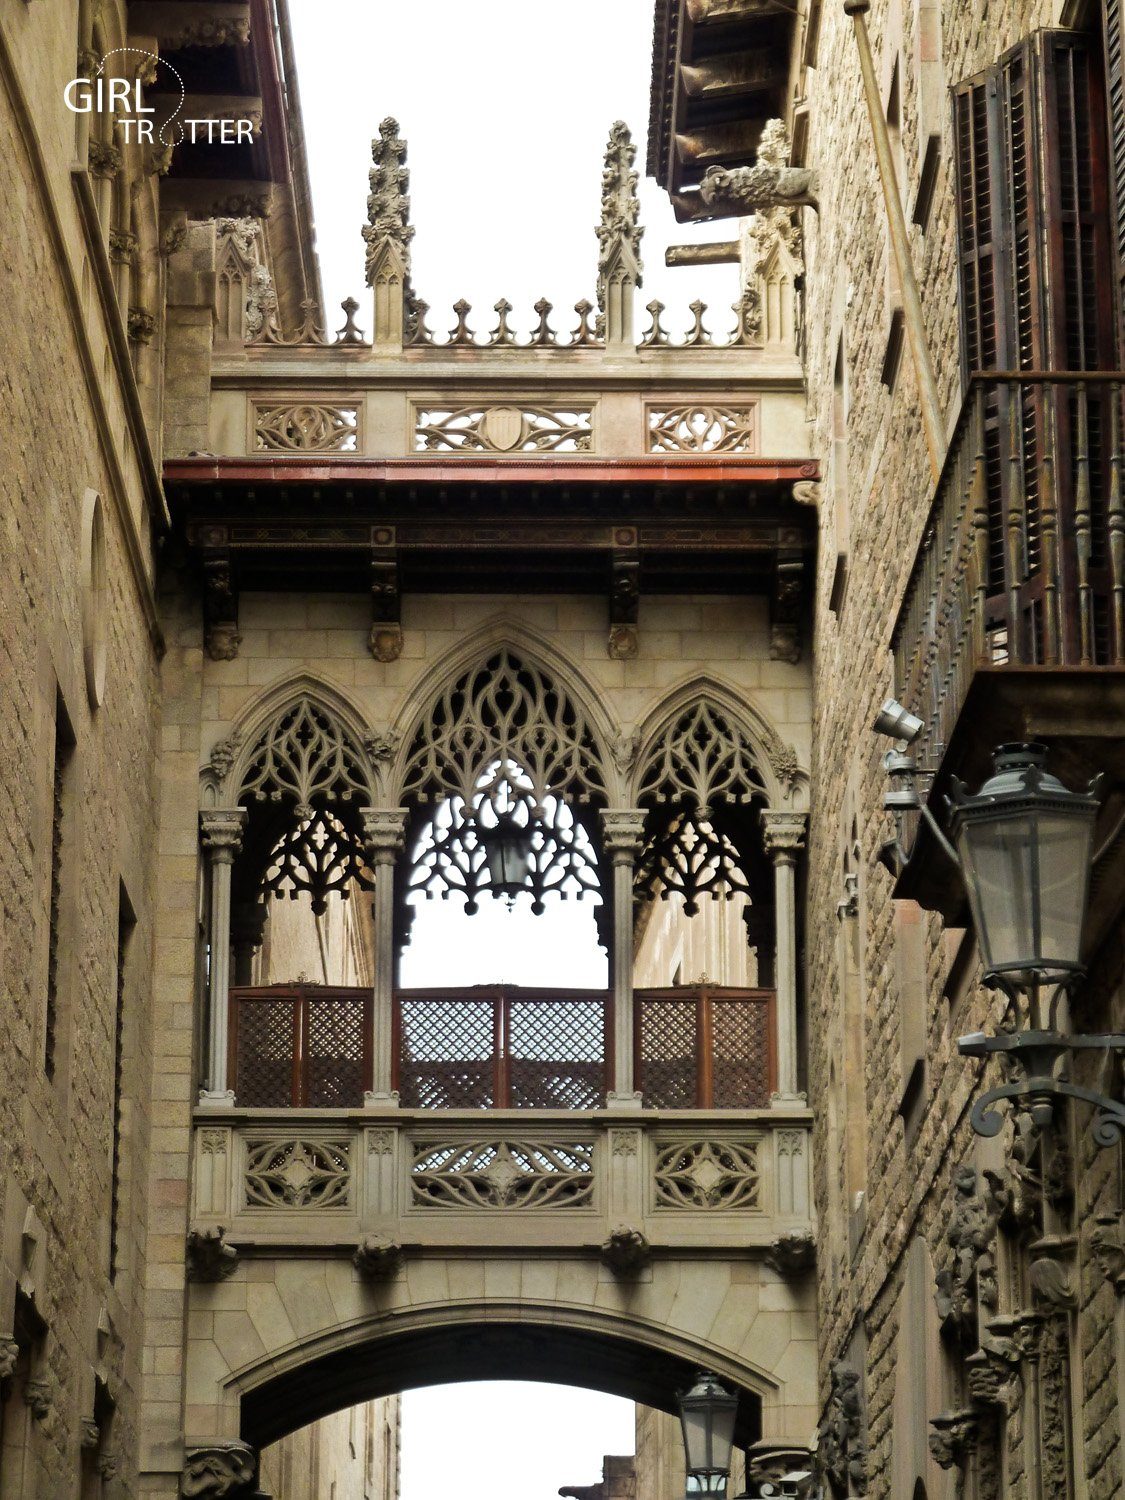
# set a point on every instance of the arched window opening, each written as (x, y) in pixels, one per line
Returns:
(301, 936)
(501, 997)
(704, 935)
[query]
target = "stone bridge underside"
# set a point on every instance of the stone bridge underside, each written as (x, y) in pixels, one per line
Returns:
(283, 1342)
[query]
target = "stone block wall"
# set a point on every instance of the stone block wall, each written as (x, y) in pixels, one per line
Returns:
(65, 435)
(915, 1121)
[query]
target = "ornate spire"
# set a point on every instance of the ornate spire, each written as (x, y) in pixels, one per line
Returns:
(619, 236)
(388, 233)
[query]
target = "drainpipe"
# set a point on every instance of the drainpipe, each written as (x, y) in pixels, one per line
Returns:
(933, 421)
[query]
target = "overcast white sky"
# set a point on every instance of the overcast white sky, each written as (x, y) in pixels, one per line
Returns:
(505, 106)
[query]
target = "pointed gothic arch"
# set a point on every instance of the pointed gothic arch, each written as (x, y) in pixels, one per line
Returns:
(539, 657)
(229, 765)
(776, 765)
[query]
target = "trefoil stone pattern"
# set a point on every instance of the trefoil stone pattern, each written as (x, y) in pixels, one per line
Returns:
(305, 427)
(301, 1173)
(524, 1173)
(710, 1174)
(503, 429)
(693, 428)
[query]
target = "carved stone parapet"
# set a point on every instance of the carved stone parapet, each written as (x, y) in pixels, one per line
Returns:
(207, 31)
(953, 1436)
(793, 1253)
(218, 1470)
(626, 1251)
(209, 1257)
(378, 1257)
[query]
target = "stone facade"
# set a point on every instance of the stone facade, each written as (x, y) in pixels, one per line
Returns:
(891, 977)
(79, 648)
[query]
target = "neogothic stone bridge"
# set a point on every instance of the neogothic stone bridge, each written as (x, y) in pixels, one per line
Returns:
(518, 618)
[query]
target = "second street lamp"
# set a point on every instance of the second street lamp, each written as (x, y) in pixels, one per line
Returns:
(707, 1416)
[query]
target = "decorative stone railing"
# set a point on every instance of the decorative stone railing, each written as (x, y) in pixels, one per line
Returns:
(334, 1177)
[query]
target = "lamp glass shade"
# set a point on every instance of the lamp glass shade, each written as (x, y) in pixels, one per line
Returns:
(707, 1416)
(1025, 845)
(507, 848)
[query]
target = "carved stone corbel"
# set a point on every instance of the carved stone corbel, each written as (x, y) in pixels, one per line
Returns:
(1107, 1243)
(9, 1358)
(626, 1251)
(624, 595)
(793, 1253)
(220, 598)
(953, 1437)
(218, 1470)
(378, 1257)
(209, 1257)
(39, 1395)
(385, 641)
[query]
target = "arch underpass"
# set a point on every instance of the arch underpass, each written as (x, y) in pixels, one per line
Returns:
(528, 1344)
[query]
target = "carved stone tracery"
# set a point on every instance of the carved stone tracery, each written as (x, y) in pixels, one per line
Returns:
(305, 1173)
(305, 755)
(703, 428)
(509, 1173)
(709, 1174)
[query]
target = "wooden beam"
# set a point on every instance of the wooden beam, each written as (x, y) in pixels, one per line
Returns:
(734, 74)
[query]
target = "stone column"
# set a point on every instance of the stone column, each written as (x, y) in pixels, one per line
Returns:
(623, 837)
(784, 835)
(383, 830)
(222, 838)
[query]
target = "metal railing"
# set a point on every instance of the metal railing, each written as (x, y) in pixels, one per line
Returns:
(1022, 560)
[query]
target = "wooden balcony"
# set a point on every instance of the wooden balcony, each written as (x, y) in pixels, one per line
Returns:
(489, 1047)
(1012, 623)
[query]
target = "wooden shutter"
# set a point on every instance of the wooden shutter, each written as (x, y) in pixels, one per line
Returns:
(1035, 239)
(1033, 211)
(1114, 18)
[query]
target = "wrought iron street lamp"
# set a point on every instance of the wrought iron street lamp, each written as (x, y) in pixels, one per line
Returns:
(1024, 843)
(707, 1416)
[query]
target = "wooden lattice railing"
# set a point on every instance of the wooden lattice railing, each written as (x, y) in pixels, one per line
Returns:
(705, 1047)
(501, 1047)
(1022, 560)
